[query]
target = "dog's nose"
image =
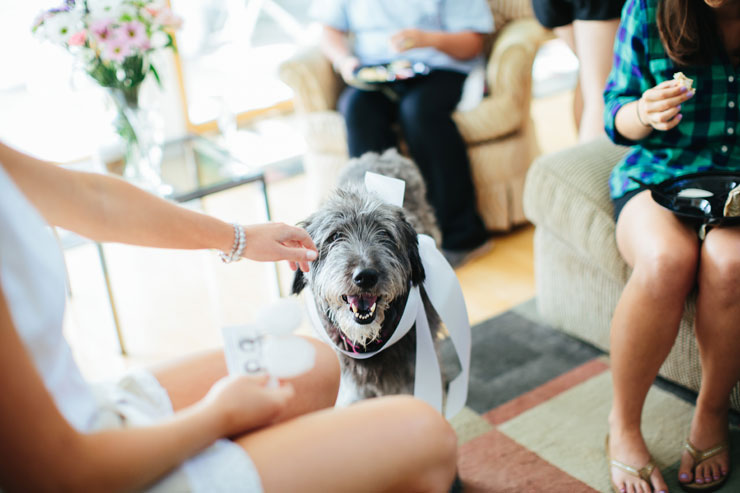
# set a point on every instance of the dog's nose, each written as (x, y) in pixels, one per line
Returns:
(365, 278)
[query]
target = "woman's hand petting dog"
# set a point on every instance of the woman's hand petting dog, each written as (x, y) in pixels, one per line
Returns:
(278, 241)
(241, 403)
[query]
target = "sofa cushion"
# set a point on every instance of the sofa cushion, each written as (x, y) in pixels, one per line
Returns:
(568, 193)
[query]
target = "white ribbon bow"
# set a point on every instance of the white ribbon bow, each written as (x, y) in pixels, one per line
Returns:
(445, 294)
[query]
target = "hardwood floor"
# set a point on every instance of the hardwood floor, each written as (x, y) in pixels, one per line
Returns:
(172, 302)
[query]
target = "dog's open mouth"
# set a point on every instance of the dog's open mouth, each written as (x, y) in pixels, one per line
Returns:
(362, 306)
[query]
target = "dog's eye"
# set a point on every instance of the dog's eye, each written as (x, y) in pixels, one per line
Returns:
(383, 234)
(333, 237)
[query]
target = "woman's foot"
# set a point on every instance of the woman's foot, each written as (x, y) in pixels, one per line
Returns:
(708, 429)
(628, 447)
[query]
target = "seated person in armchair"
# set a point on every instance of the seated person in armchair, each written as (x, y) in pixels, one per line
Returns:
(448, 37)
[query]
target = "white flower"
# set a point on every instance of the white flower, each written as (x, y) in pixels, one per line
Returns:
(159, 40)
(61, 26)
(110, 9)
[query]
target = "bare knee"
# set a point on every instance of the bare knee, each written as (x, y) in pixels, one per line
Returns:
(668, 273)
(327, 372)
(317, 388)
(433, 440)
(720, 269)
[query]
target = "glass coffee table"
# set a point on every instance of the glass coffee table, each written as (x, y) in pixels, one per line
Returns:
(194, 167)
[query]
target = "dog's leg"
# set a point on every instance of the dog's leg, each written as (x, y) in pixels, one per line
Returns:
(348, 391)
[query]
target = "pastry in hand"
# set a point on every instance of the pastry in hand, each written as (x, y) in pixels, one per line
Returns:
(683, 80)
(732, 205)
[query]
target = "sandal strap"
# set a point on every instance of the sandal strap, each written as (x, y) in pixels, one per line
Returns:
(702, 455)
(643, 473)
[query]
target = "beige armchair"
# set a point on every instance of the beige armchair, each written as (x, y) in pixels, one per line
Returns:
(499, 131)
(579, 273)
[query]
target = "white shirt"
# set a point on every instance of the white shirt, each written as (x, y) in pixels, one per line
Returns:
(373, 22)
(33, 281)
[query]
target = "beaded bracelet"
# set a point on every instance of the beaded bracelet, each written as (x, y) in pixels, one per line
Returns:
(637, 106)
(237, 248)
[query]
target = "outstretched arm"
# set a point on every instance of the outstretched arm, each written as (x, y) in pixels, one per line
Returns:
(105, 208)
(42, 452)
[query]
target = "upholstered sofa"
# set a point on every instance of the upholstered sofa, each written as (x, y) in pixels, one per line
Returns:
(499, 131)
(579, 273)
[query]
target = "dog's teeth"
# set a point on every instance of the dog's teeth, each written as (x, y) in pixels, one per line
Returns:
(372, 308)
(354, 308)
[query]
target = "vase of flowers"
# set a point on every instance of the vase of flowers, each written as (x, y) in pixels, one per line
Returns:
(114, 41)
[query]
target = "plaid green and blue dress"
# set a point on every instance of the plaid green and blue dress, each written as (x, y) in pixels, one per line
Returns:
(707, 137)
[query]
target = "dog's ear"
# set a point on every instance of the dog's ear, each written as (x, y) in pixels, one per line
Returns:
(410, 239)
(417, 268)
(299, 282)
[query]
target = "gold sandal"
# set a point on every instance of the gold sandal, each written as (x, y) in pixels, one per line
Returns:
(700, 456)
(643, 473)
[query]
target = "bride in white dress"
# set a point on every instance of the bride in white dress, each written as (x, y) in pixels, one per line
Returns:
(173, 429)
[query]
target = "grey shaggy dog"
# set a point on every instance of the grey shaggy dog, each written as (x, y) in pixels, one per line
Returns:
(368, 260)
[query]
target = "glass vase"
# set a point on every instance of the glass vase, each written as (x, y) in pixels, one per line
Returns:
(141, 130)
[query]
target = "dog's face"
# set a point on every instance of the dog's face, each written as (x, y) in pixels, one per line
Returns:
(368, 259)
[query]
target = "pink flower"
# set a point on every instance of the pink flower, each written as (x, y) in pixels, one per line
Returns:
(168, 19)
(116, 49)
(77, 39)
(135, 34)
(101, 29)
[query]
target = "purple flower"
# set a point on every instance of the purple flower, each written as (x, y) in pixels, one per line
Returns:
(49, 13)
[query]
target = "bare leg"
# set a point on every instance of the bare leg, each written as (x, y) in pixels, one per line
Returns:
(566, 34)
(594, 41)
(718, 335)
(386, 444)
(664, 255)
(189, 380)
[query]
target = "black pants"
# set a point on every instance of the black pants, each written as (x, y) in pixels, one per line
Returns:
(423, 109)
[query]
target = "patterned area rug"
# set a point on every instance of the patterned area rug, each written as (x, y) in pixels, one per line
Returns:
(537, 410)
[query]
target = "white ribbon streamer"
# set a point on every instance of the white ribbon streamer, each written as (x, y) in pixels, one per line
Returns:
(445, 294)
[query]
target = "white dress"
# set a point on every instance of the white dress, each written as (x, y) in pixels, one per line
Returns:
(33, 282)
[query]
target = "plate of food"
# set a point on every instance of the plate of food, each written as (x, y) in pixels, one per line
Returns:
(711, 197)
(390, 72)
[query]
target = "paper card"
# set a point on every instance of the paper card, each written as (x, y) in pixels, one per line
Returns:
(243, 349)
(389, 189)
(250, 352)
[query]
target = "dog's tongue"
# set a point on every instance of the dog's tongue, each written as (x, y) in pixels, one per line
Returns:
(361, 302)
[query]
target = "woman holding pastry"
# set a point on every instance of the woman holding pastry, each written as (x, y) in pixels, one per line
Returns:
(674, 129)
